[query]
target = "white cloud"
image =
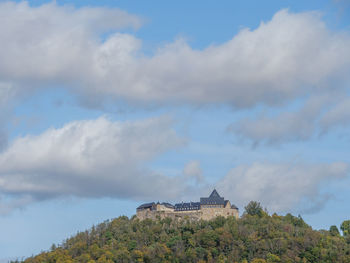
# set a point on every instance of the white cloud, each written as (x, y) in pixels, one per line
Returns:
(290, 57)
(93, 158)
(7, 206)
(285, 126)
(281, 187)
(319, 115)
(339, 115)
(193, 170)
(287, 57)
(52, 44)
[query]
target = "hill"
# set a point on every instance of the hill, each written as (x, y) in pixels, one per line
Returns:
(252, 238)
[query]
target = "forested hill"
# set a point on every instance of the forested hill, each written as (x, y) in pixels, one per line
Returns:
(256, 237)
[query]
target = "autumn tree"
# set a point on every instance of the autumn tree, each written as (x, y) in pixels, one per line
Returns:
(333, 230)
(345, 227)
(254, 209)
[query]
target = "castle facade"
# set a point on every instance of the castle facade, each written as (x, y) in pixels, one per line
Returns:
(207, 208)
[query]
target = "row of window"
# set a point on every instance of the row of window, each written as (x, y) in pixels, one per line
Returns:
(186, 208)
(196, 208)
(212, 206)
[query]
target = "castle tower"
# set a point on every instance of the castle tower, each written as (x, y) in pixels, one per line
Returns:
(215, 205)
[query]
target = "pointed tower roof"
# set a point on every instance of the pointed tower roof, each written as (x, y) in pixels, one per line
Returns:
(214, 194)
(213, 199)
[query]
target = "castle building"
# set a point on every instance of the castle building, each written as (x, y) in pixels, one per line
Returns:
(206, 209)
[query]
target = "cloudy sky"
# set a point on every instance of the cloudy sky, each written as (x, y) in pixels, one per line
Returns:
(108, 104)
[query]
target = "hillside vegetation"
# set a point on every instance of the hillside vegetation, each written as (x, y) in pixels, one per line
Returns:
(256, 237)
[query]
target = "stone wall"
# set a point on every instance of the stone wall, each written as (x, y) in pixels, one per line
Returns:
(204, 213)
(210, 213)
(160, 207)
(153, 214)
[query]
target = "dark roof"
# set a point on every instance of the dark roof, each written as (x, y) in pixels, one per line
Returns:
(187, 206)
(168, 205)
(147, 205)
(213, 199)
(214, 194)
(150, 205)
(234, 207)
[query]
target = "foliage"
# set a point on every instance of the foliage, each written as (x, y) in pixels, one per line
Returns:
(345, 227)
(253, 238)
(333, 230)
(254, 208)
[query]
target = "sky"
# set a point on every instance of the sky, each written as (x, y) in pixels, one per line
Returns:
(108, 104)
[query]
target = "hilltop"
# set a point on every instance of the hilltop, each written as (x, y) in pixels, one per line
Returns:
(255, 237)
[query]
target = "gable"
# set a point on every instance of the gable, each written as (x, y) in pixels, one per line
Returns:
(214, 194)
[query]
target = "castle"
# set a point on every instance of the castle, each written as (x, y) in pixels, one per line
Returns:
(208, 208)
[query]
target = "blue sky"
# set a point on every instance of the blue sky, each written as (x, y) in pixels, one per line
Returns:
(108, 104)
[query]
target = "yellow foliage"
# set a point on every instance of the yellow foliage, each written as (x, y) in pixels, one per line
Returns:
(258, 260)
(138, 255)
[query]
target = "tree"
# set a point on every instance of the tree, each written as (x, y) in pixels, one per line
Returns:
(258, 239)
(53, 247)
(254, 208)
(258, 260)
(333, 230)
(272, 258)
(345, 227)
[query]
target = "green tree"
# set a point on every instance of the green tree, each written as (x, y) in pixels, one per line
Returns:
(272, 258)
(259, 239)
(254, 208)
(333, 230)
(345, 227)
